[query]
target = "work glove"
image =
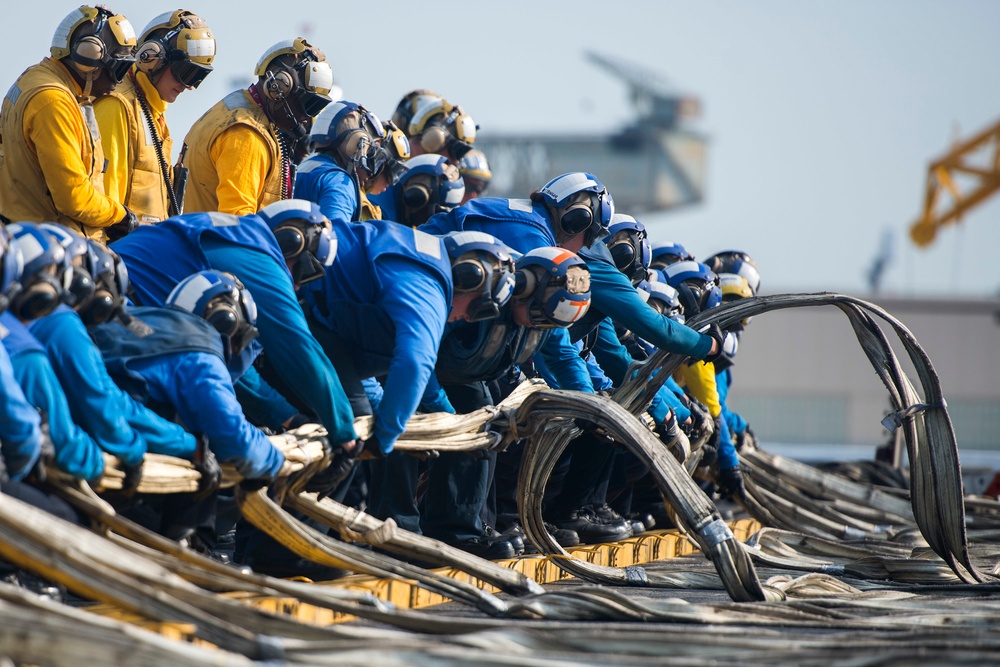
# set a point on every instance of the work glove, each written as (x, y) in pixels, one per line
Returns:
(709, 455)
(719, 337)
(746, 439)
(699, 417)
(297, 420)
(730, 482)
(38, 474)
(667, 429)
(255, 484)
(133, 475)
(208, 467)
(372, 448)
(123, 227)
(326, 481)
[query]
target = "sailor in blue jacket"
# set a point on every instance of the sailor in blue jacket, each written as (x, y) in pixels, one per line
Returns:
(571, 211)
(159, 256)
(385, 303)
(425, 185)
(20, 432)
(186, 365)
(42, 281)
(348, 161)
(382, 309)
(119, 425)
(20, 423)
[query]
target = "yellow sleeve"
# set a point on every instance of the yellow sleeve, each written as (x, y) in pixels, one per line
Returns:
(699, 380)
(54, 125)
(113, 121)
(241, 159)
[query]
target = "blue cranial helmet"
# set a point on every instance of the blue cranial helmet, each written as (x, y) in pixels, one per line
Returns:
(110, 284)
(738, 262)
(481, 264)
(665, 299)
(304, 235)
(222, 300)
(580, 204)
(476, 172)
(665, 254)
(628, 244)
(696, 285)
(45, 274)
(555, 284)
(81, 284)
(428, 184)
(353, 135)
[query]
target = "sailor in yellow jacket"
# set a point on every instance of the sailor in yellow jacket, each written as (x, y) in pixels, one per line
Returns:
(175, 54)
(239, 152)
(51, 157)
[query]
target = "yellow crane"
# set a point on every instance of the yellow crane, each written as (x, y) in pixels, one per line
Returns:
(975, 164)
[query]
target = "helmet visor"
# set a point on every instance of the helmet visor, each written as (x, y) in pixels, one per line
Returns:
(190, 73)
(458, 148)
(312, 103)
(119, 66)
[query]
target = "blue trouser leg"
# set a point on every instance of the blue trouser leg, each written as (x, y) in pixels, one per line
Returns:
(392, 490)
(586, 481)
(458, 483)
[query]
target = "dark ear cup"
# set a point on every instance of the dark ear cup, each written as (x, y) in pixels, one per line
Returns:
(525, 282)
(623, 253)
(81, 288)
(100, 309)
(416, 196)
(36, 300)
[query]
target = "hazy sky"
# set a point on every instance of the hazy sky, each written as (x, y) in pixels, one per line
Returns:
(821, 116)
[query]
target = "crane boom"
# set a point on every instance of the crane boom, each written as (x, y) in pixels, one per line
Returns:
(945, 201)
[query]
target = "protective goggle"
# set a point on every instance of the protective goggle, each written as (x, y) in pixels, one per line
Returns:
(119, 66)
(475, 186)
(471, 275)
(397, 170)
(317, 80)
(311, 103)
(188, 72)
(578, 218)
(374, 160)
(458, 148)
(236, 326)
(311, 247)
(629, 253)
(663, 308)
